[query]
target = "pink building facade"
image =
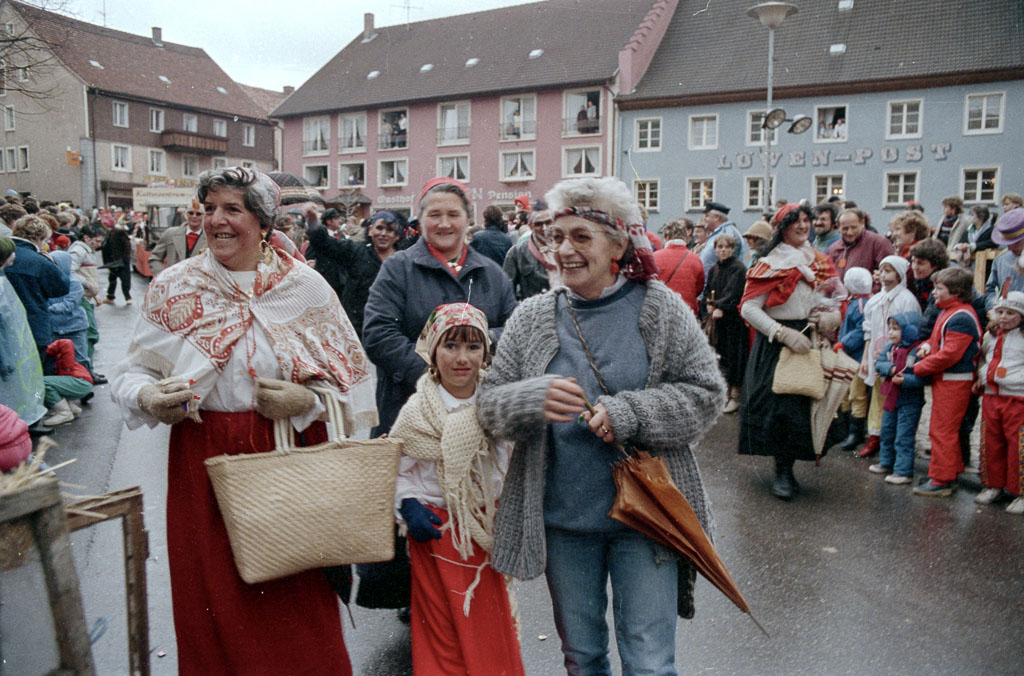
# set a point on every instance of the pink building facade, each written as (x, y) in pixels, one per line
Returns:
(499, 146)
(508, 112)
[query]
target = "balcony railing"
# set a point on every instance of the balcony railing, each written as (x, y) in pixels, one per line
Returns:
(452, 135)
(191, 142)
(572, 125)
(511, 131)
(397, 139)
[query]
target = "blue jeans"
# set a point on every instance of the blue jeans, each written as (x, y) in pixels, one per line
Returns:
(899, 434)
(644, 586)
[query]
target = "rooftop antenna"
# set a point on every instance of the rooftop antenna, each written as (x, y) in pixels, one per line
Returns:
(408, 7)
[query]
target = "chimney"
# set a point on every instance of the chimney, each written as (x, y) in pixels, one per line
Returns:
(288, 89)
(368, 31)
(158, 36)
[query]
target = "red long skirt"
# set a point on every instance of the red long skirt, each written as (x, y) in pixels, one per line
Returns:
(223, 625)
(445, 642)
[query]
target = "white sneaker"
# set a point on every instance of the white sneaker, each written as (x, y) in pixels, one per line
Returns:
(75, 408)
(1016, 507)
(878, 469)
(731, 406)
(59, 414)
(898, 479)
(987, 496)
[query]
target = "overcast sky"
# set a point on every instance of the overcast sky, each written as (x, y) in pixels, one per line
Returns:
(266, 43)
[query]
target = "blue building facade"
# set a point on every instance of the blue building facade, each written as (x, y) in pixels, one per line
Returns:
(881, 149)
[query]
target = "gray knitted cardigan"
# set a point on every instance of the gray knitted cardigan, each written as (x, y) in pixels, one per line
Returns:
(684, 395)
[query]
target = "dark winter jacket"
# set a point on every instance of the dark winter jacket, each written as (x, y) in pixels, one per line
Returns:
(117, 249)
(902, 357)
(492, 242)
(529, 276)
(360, 262)
(36, 279)
(329, 268)
(410, 285)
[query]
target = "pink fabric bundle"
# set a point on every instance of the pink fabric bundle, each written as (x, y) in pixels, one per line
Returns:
(15, 443)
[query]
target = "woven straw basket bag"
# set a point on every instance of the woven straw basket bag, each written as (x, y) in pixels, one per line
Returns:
(800, 373)
(294, 509)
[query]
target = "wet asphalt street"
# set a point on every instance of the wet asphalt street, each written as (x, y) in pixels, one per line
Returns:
(854, 576)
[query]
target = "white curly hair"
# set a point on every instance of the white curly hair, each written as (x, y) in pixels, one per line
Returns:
(608, 194)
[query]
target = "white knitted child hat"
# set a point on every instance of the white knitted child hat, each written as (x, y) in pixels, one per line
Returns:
(857, 281)
(1014, 301)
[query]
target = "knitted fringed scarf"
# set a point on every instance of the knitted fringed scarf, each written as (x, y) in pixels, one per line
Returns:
(456, 442)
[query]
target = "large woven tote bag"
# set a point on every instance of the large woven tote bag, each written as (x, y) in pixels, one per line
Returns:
(800, 373)
(294, 509)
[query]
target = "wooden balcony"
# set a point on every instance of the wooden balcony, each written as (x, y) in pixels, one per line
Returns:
(191, 142)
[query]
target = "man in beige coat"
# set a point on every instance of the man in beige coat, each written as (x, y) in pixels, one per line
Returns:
(180, 242)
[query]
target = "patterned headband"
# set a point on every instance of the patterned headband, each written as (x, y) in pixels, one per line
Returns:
(639, 265)
(445, 317)
(592, 215)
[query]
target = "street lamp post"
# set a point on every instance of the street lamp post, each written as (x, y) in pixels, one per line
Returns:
(771, 15)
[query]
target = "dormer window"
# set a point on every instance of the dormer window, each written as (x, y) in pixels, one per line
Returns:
(222, 90)
(837, 49)
(536, 53)
(472, 62)
(163, 78)
(373, 75)
(426, 68)
(95, 64)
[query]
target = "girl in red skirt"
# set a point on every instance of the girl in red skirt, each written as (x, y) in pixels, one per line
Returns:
(449, 479)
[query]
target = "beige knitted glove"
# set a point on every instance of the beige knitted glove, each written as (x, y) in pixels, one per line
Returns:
(794, 340)
(167, 402)
(276, 399)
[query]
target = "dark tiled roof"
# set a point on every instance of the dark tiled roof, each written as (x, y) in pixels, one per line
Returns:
(580, 38)
(132, 64)
(721, 49)
(265, 99)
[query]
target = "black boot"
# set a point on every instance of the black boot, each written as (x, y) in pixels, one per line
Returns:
(856, 436)
(792, 478)
(782, 487)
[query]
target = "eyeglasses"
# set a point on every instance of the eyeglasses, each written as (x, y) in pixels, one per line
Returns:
(194, 213)
(542, 223)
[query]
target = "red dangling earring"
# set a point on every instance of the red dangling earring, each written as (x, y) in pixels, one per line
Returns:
(615, 267)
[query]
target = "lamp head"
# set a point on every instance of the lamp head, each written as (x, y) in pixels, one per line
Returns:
(771, 14)
(774, 119)
(801, 123)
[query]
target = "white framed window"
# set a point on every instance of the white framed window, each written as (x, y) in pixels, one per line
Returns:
(316, 135)
(220, 163)
(9, 28)
(3, 164)
(23, 158)
(3, 78)
(646, 191)
(11, 159)
(581, 161)
(648, 134)
(351, 174)
(157, 162)
(189, 166)
(756, 134)
(23, 74)
(979, 184)
(393, 129)
(904, 119)
(831, 123)
(703, 132)
(156, 119)
(9, 118)
(352, 132)
(249, 135)
(120, 114)
(582, 112)
(220, 127)
(453, 166)
(121, 157)
(518, 165)
(983, 113)
(827, 185)
(319, 175)
(698, 192)
(753, 193)
(190, 122)
(519, 118)
(900, 188)
(453, 123)
(392, 173)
